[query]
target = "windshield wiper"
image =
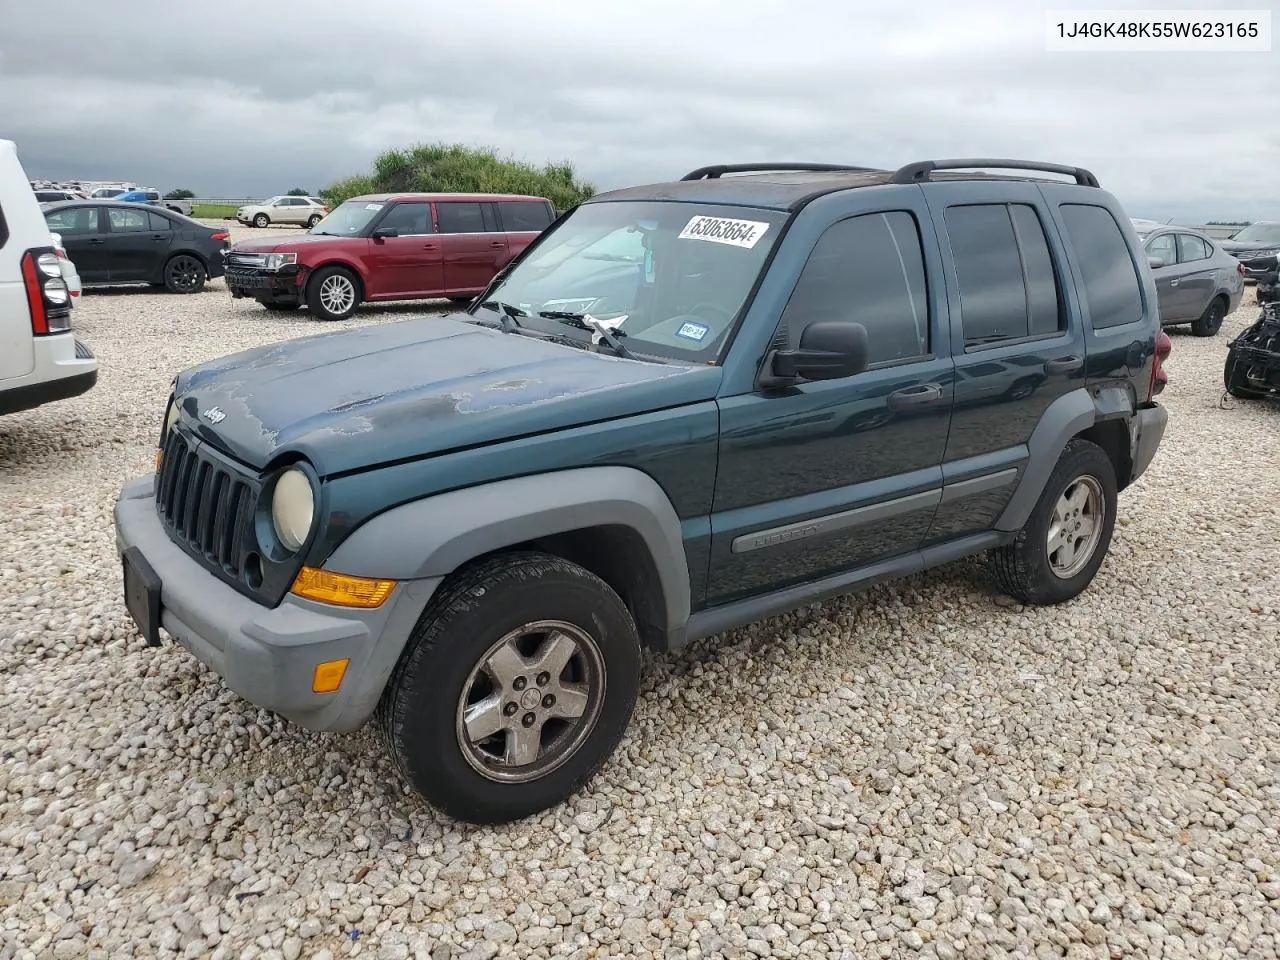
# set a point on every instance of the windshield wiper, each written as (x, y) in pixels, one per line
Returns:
(508, 313)
(585, 322)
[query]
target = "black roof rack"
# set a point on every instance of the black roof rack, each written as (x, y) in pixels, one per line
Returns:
(716, 171)
(919, 171)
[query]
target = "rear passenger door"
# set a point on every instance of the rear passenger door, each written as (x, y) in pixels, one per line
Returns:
(1018, 347)
(473, 247)
(1195, 281)
(833, 475)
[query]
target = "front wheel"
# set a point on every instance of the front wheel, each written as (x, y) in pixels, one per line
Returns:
(1210, 322)
(1058, 551)
(333, 294)
(261, 220)
(516, 686)
(184, 273)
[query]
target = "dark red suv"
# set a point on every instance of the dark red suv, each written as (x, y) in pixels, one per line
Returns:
(389, 246)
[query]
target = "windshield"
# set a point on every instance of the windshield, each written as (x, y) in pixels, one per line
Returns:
(669, 279)
(1259, 233)
(348, 218)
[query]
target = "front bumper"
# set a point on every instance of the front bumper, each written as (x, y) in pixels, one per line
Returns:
(1149, 424)
(267, 655)
(283, 284)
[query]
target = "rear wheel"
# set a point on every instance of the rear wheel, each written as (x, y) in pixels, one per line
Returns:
(516, 686)
(184, 273)
(261, 220)
(1210, 322)
(315, 218)
(1058, 551)
(333, 293)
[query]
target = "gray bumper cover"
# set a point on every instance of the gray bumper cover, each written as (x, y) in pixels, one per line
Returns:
(267, 655)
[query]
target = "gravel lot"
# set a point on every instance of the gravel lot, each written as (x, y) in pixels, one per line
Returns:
(923, 770)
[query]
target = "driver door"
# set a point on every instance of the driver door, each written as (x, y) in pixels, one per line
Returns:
(829, 476)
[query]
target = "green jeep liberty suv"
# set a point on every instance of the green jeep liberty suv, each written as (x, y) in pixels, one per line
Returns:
(685, 407)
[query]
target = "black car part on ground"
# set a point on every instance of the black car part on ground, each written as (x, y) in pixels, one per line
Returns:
(1253, 358)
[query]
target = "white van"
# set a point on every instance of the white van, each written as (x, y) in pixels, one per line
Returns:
(40, 359)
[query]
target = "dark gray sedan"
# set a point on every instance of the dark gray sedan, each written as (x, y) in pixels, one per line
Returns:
(1198, 282)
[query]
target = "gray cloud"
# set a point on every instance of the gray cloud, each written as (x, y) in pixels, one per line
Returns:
(224, 101)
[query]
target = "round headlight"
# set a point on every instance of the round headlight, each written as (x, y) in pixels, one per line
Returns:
(293, 508)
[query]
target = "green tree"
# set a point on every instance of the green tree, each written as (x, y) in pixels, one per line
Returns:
(297, 192)
(179, 195)
(457, 168)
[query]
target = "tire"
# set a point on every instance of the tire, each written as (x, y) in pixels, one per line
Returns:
(326, 298)
(315, 218)
(443, 669)
(1027, 569)
(184, 273)
(1233, 378)
(1210, 322)
(261, 220)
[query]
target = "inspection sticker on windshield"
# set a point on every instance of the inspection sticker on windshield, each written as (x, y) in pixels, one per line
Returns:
(737, 233)
(692, 331)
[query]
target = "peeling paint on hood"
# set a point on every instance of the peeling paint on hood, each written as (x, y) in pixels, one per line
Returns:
(361, 397)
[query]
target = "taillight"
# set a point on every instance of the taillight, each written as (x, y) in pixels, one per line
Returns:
(48, 298)
(1158, 377)
(221, 235)
(1240, 268)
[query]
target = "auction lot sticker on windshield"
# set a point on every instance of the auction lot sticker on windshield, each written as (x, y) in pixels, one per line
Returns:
(737, 233)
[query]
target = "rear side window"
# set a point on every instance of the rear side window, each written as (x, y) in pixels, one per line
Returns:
(455, 217)
(868, 268)
(1112, 289)
(1191, 248)
(517, 216)
(128, 221)
(160, 222)
(1008, 288)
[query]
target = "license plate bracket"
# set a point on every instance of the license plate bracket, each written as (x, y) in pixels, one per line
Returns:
(142, 594)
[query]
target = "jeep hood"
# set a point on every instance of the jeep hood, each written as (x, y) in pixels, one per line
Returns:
(362, 397)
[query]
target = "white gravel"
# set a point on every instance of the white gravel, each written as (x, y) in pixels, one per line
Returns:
(924, 770)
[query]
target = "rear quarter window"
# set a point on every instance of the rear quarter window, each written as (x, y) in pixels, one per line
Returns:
(518, 216)
(1111, 285)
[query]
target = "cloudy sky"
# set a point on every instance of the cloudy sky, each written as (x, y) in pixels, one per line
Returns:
(240, 98)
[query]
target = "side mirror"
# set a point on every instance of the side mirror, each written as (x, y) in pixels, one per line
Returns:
(1155, 263)
(383, 232)
(828, 350)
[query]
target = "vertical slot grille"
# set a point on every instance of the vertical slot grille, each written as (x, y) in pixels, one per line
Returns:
(204, 506)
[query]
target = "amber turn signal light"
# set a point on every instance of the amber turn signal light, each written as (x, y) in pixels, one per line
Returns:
(327, 676)
(341, 589)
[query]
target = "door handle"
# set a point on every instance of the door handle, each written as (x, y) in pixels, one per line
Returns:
(1063, 365)
(1173, 283)
(158, 236)
(916, 396)
(428, 246)
(497, 245)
